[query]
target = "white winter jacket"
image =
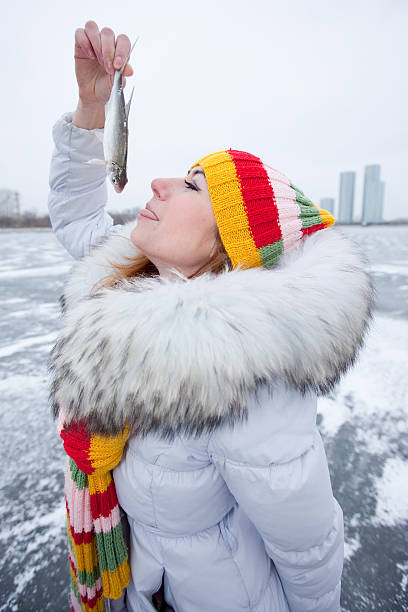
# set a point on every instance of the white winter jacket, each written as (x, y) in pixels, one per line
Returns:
(225, 482)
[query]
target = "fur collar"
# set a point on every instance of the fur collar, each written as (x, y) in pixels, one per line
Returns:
(181, 355)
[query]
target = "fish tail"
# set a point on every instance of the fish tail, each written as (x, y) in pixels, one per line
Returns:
(128, 57)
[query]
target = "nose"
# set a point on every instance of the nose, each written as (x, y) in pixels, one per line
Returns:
(161, 188)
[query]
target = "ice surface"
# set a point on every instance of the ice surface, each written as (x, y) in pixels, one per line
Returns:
(33, 568)
(392, 498)
(363, 423)
(45, 340)
(35, 272)
(350, 547)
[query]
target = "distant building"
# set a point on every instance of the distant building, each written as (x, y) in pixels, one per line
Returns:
(373, 195)
(9, 203)
(345, 213)
(327, 204)
(380, 210)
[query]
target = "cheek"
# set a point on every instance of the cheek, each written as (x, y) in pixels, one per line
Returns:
(185, 232)
(191, 221)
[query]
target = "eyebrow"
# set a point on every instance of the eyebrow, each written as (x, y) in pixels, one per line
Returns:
(195, 172)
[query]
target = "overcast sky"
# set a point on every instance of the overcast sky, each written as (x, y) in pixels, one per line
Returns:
(314, 87)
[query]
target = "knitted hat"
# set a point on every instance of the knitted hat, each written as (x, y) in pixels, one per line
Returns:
(260, 214)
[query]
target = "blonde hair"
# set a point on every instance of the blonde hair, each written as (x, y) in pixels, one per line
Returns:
(141, 266)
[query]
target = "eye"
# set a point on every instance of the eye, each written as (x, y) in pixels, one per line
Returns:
(191, 186)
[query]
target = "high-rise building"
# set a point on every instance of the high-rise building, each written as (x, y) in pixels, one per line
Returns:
(346, 197)
(380, 216)
(373, 195)
(327, 204)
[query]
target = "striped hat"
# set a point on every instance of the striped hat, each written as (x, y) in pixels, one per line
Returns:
(260, 214)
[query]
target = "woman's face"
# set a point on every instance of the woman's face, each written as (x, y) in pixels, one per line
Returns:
(184, 233)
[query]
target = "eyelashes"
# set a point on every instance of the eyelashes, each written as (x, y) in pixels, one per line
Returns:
(191, 186)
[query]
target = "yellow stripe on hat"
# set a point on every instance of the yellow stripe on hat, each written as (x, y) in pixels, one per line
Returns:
(229, 209)
(326, 217)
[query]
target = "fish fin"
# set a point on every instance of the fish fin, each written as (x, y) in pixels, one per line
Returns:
(96, 162)
(99, 136)
(127, 107)
(128, 57)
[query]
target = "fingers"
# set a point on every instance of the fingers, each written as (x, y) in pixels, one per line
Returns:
(83, 48)
(92, 33)
(92, 44)
(108, 48)
(122, 50)
(128, 71)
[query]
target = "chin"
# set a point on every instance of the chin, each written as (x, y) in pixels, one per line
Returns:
(133, 235)
(138, 237)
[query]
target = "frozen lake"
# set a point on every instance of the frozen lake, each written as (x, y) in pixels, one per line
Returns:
(364, 426)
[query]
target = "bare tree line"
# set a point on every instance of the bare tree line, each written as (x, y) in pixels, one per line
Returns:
(30, 219)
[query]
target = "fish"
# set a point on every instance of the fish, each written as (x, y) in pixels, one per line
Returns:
(116, 132)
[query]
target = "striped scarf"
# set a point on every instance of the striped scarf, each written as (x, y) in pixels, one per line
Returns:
(98, 554)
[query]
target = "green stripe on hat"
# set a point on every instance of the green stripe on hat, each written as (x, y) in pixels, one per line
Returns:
(311, 221)
(309, 216)
(302, 199)
(298, 191)
(271, 253)
(309, 212)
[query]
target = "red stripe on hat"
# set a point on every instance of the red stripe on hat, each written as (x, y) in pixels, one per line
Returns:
(313, 228)
(259, 198)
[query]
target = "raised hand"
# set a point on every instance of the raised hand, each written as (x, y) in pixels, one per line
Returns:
(97, 54)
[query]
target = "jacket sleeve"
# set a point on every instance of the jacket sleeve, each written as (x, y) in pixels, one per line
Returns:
(78, 193)
(276, 468)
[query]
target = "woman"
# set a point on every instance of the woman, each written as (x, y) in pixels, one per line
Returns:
(201, 336)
